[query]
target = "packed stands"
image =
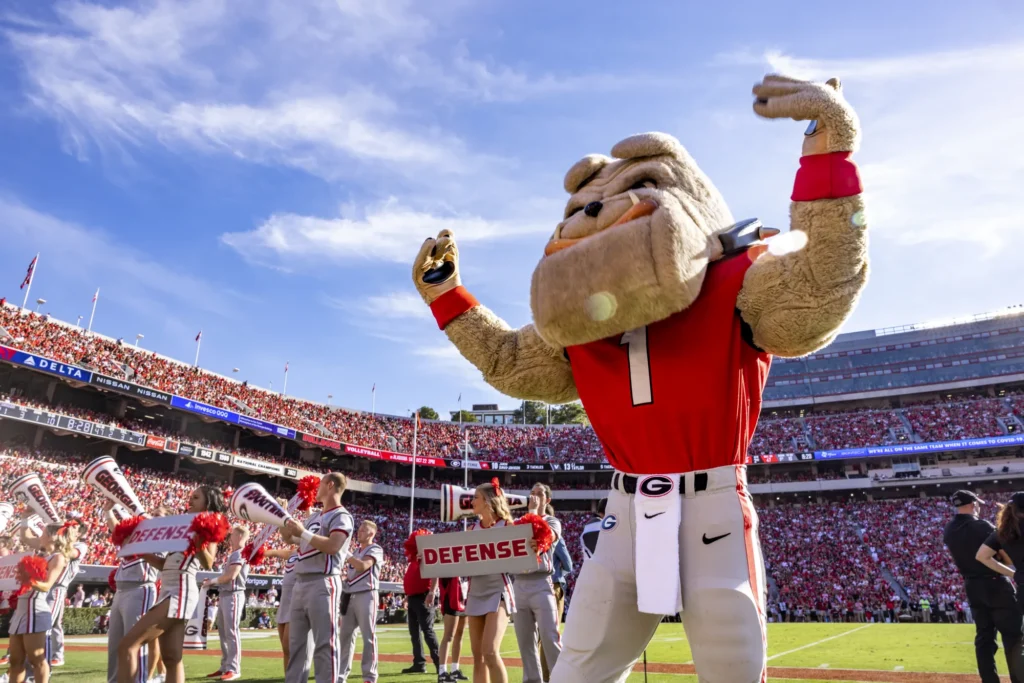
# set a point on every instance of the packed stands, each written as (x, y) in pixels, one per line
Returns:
(953, 419)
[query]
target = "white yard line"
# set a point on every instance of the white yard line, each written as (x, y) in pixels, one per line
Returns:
(819, 642)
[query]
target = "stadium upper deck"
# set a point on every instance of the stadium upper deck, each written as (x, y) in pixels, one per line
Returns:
(978, 351)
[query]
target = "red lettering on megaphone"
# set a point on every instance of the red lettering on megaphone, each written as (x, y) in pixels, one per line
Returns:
(257, 498)
(466, 501)
(111, 485)
(40, 497)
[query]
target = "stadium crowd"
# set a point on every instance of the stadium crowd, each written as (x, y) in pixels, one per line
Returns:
(953, 418)
(830, 561)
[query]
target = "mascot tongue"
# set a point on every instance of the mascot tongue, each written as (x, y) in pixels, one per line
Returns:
(645, 207)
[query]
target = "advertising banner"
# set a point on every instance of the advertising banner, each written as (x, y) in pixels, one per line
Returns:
(257, 465)
(45, 364)
(1005, 441)
(123, 387)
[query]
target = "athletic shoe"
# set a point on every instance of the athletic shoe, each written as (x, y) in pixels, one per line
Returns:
(457, 675)
(416, 669)
(56, 662)
(5, 660)
(445, 678)
(230, 676)
(4, 678)
(159, 678)
(215, 674)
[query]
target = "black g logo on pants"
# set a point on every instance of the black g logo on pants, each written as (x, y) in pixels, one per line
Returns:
(656, 486)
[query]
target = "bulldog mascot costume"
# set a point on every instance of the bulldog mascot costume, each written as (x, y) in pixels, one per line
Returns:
(662, 315)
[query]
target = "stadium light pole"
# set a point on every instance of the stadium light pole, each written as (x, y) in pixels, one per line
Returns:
(79, 323)
(137, 338)
(329, 397)
(39, 302)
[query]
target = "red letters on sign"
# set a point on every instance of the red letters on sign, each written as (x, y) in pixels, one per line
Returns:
(430, 556)
(446, 555)
(504, 550)
(487, 551)
(519, 547)
(472, 553)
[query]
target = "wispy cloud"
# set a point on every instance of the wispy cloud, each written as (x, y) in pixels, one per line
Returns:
(386, 232)
(89, 257)
(394, 306)
(942, 158)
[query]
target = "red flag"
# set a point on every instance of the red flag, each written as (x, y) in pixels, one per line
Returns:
(286, 366)
(28, 275)
(96, 296)
(199, 336)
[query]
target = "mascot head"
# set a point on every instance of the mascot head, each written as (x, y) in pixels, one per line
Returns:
(639, 231)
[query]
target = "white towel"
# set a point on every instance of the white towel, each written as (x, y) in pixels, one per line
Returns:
(658, 515)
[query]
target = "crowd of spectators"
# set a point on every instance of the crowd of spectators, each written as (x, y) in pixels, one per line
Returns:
(829, 561)
(952, 419)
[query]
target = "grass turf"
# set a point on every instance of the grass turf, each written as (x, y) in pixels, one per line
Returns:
(879, 647)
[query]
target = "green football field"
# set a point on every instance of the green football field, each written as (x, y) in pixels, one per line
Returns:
(796, 652)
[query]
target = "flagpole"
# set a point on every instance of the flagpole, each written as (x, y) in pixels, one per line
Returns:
(465, 466)
(412, 495)
(373, 400)
(284, 391)
(95, 298)
(31, 279)
(199, 342)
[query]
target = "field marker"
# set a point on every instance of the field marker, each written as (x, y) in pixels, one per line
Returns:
(819, 642)
(897, 668)
(823, 666)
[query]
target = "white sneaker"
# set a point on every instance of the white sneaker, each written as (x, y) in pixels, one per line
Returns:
(4, 678)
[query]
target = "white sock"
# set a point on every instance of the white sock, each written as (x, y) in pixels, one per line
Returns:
(444, 668)
(455, 667)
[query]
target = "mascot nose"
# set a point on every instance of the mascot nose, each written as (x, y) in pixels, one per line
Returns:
(592, 209)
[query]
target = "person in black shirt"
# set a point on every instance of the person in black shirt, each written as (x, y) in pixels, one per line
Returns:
(989, 593)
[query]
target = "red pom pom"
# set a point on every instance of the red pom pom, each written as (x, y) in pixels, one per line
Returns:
(31, 568)
(307, 489)
(253, 556)
(110, 580)
(410, 543)
(227, 493)
(208, 527)
(542, 533)
(124, 529)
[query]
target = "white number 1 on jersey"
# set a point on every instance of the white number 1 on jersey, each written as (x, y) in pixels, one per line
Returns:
(639, 366)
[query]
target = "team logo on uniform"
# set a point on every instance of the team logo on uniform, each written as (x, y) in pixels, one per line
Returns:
(609, 522)
(656, 487)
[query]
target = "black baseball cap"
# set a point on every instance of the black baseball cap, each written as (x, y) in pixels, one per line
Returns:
(965, 497)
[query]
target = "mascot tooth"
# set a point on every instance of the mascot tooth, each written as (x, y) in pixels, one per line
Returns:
(661, 314)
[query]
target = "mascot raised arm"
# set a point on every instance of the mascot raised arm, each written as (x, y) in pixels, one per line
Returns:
(661, 314)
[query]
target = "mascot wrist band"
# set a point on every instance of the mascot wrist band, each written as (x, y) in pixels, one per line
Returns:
(826, 176)
(451, 305)
(306, 535)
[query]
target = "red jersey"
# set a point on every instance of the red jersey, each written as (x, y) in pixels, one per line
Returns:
(681, 394)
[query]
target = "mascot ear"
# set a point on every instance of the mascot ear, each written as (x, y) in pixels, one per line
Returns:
(583, 170)
(647, 145)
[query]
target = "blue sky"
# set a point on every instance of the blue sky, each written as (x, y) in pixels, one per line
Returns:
(264, 170)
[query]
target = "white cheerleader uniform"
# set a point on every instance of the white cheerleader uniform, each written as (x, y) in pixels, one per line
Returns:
(486, 593)
(32, 613)
(284, 606)
(178, 584)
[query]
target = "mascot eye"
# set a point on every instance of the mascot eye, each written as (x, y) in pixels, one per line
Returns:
(644, 184)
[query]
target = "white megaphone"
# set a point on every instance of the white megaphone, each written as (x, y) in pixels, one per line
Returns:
(6, 513)
(252, 503)
(457, 502)
(29, 489)
(105, 476)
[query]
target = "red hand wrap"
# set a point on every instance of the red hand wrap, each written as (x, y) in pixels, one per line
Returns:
(826, 176)
(451, 305)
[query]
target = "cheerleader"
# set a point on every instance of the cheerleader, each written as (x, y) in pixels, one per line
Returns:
(32, 619)
(135, 593)
(490, 600)
(284, 604)
(230, 587)
(453, 607)
(177, 601)
(58, 594)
